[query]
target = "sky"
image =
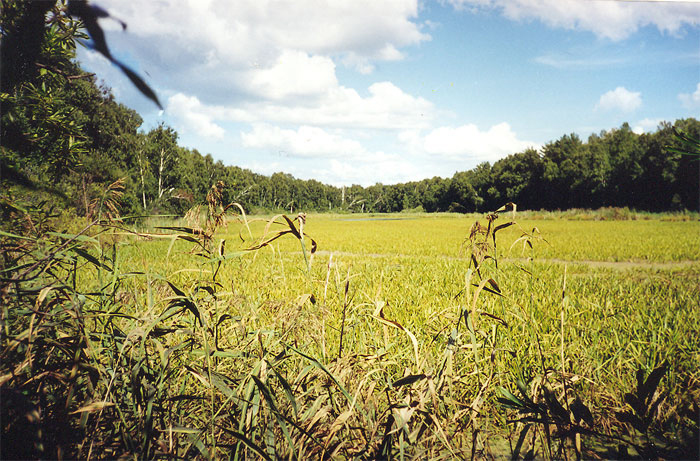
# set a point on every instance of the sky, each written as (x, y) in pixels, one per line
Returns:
(388, 91)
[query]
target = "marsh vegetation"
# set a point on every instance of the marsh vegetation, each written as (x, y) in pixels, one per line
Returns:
(428, 337)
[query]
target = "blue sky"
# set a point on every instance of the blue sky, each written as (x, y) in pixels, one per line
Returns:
(359, 92)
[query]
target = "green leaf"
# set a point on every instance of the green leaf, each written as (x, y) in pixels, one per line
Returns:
(249, 443)
(510, 400)
(288, 391)
(87, 256)
(269, 398)
(22, 237)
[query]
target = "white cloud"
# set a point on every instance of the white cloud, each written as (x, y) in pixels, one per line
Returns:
(336, 157)
(371, 168)
(331, 157)
(620, 99)
(609, 19)
(467, 142)
(384, 168)
(363, 64)
(387, 107)
(272, 61)
(233, 34)
(691, 101)
(295, 74)
(647, 125)
(306, 141)
(191, 117)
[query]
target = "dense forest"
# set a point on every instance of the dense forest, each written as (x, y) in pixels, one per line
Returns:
(63, 134)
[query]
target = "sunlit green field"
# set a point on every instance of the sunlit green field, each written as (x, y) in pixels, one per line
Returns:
(353, 337)
(444, 235)
(389, 297)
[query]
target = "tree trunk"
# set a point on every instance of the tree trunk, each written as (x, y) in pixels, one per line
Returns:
(160, 173)
(143, 183)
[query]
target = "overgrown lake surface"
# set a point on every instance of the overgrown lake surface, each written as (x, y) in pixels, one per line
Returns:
(390, 337)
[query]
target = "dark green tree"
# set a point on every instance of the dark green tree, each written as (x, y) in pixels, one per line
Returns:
(42, 132)
(461, 194)
(625, 155)
(687, 183)
(518, 178)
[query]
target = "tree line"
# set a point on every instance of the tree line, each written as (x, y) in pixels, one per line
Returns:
(63, 133)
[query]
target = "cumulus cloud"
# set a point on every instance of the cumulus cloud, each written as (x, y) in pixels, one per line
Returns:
(363, 64)
(375, 167)
(467, 142)
(338, 157)
(381, 167)
(387, 107)
(691, 100)
(265, 61)
(306, 141)
(331, 157)
(294, 74)
(612, 20)
(620, 99)
(647, 125)
(191, 117)
(233, 35)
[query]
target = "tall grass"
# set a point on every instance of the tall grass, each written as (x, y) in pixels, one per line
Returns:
(238, 339)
